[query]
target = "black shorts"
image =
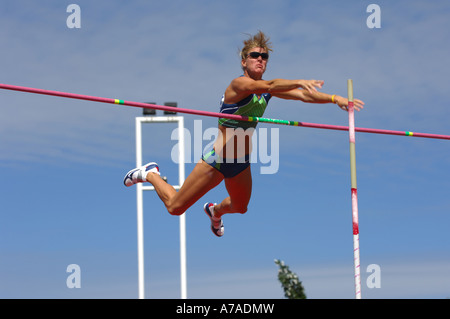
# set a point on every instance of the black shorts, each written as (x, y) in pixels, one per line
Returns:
(229, 167)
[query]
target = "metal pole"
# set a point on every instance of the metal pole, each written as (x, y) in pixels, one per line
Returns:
(141, 188)
(140, 214)
(354, 192)
(181, 176)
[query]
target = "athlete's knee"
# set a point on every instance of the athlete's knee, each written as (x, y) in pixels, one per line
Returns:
(175, 209)
(240, 209)
(175, 212)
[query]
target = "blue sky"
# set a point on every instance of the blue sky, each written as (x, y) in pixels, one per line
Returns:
(62, 161)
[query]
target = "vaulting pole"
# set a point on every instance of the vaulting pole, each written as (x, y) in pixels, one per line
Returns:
(354, 192)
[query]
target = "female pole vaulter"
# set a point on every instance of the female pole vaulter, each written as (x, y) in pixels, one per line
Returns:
(246, 95)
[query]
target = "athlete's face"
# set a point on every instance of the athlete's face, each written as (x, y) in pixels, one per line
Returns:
(255, 64)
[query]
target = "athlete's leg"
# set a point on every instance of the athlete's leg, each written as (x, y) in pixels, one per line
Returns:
(201, 180)
(239, 188)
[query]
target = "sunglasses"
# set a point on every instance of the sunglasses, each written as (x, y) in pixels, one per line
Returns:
(255, 55)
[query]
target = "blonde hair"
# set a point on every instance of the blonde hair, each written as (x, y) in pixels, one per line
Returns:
(259, 40)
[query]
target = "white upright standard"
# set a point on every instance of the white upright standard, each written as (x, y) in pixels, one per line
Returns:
(141, 188)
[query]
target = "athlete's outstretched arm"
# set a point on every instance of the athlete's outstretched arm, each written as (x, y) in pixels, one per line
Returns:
(241, 87)
(318, 97)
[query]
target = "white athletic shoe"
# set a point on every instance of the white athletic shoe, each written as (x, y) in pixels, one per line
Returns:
(139, 174)
(216, 223)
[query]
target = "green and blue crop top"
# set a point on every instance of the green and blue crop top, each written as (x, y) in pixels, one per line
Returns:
(252, 105)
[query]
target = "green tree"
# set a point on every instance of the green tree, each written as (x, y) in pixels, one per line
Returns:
(292, 286)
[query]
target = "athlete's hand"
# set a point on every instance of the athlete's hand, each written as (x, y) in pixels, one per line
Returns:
(342, 102)
(311, 85)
